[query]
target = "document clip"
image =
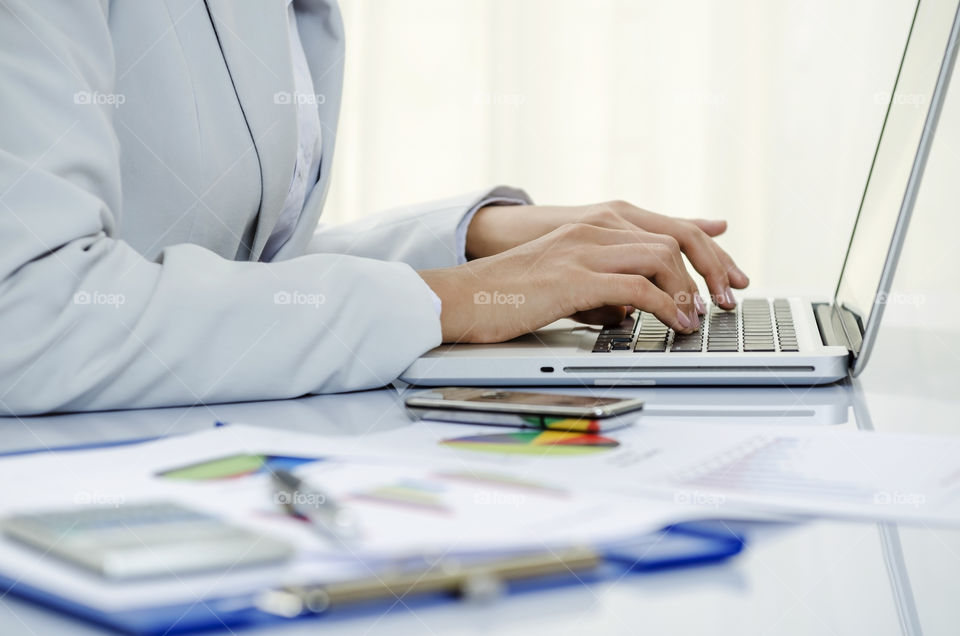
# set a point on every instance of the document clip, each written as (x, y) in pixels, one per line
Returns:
(476, 582)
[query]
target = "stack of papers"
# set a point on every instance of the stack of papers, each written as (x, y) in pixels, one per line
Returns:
(404, 509)
(431, 489)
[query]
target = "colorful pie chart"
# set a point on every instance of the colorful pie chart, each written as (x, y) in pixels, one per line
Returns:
(559, 443)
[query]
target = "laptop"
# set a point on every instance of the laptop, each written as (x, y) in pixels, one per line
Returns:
(780, 340)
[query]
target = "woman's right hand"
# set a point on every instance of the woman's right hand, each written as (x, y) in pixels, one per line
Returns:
(576, 268)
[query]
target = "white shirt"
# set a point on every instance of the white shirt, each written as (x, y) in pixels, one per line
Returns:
(309, 143)
(307, 167)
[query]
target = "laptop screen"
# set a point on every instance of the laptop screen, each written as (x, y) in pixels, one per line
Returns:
(888, 196)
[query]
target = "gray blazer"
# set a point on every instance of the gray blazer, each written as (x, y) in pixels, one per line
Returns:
(146, 149)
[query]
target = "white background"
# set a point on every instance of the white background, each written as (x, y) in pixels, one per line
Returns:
(765, 114)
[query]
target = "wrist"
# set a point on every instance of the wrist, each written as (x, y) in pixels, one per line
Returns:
(483, 232)
(443, 283)
(498, 228)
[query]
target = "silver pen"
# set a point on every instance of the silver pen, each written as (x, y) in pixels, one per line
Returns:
(325, 514)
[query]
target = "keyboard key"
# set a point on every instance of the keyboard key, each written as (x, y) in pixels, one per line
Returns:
(688, 343)
(650, 346)
(624, 328)
(616, 337)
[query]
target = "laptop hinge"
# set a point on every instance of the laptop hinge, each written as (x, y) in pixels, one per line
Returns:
(832, 333)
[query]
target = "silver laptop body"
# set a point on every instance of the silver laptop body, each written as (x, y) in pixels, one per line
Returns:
(783, 341)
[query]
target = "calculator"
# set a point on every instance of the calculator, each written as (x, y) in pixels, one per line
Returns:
(144, 540)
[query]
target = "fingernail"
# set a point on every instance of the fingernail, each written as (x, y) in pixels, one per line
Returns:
(694, 319)
(684, 320)
(728, 296)
(698, 303)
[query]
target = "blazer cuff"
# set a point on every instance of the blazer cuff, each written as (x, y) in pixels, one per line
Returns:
(491, 199)
(425, 236)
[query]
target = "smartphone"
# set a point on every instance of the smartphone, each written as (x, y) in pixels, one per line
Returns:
(478, 405)
(133, 541)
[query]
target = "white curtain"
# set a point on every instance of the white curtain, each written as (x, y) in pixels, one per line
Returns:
(763, 113)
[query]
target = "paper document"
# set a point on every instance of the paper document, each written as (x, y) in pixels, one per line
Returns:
(731, 468)
(403, 509)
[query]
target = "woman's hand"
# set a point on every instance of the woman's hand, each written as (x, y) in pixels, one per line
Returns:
(577, 267)
(498, 229)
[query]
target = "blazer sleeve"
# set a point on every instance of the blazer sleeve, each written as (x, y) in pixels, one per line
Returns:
(426, 236)
(87, 323)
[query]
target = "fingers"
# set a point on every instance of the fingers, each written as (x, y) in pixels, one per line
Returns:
(627, 249)
(712, 227)
(715, 265)
(718, 263)
(716, 227)
(660, 262)
(703, 255)
(642, 293)
(737, 278)
(695, 239)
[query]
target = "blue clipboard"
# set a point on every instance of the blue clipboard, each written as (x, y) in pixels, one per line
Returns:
(680, 545)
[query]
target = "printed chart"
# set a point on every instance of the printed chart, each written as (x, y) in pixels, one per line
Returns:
(559, 443)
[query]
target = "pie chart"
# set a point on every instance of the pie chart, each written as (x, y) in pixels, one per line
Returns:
(234, 467)
(555, 443)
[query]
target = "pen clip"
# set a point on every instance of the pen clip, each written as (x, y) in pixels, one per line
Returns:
(480, 581)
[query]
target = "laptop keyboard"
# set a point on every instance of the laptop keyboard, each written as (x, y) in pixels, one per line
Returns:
(755, 325)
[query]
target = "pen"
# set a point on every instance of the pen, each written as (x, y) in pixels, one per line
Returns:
(302, 500)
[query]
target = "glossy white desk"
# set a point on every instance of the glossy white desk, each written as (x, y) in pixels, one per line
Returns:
(820, 577)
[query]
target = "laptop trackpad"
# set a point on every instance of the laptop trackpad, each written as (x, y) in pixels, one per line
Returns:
(560, 334)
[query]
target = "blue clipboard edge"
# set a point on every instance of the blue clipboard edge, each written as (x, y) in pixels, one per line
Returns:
(710, 544)
(238, 612)
(81, 447)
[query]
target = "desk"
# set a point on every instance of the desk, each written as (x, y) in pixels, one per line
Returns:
(821, 577)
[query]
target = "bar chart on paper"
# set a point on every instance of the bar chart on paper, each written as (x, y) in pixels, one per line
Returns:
(841, 473)
(781, 465)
